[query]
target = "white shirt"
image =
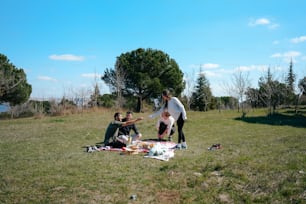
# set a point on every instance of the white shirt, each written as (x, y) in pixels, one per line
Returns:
(168, 121)
(175, 108)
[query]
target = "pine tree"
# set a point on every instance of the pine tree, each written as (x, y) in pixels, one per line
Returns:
(290, 78)
(202, 95)
(290, 95)
(95, 96)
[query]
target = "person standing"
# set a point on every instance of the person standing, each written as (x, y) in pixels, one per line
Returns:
(165, 126)
(177, 110)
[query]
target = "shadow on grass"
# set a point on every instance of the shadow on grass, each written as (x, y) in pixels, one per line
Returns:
(277, 119)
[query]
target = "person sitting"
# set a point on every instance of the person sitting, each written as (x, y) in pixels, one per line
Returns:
(112, 130)
(126, 130)
(165, 126)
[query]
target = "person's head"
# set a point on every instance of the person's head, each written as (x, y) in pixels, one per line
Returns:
(129, 115)
(165, 114)
(118, 116)
(166, 95)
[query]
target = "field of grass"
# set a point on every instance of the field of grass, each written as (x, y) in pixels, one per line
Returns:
(263, 160)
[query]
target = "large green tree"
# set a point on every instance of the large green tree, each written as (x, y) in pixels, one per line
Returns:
(14, 88)
(144, 73)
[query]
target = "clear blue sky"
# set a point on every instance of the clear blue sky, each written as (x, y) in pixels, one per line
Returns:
(63, 44)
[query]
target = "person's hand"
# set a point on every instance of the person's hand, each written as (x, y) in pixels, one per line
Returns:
(140, 118)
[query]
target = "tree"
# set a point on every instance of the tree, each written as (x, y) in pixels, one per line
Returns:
(144, 73)
(189, 83)
(252, 97)
(202, 95)
(94, 97)
(302, 86)
(106, 100)
(240, 83)
(271, 92)
(302, 89)
(14, 88)
(290, 79)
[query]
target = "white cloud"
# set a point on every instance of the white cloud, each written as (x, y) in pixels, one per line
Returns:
(298, 39)
(91, 75)
(251, 68)
(46, 78)
(244, 68)
(273, 26)
(259, 21)
(276, 55)
(66, 57)
(211, 74)
(263, 22)
(287, 56)
(210, 66)
(292, 54)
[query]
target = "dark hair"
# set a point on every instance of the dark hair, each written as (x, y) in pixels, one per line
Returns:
(116, 115)
(166, 93)
(129, 112)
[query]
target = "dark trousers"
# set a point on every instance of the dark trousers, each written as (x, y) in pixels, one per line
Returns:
(163, 127)
(180, 125)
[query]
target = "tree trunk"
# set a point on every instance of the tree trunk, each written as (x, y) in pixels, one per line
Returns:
(139, 104)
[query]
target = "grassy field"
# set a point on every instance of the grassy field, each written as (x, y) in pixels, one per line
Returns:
(263, 160)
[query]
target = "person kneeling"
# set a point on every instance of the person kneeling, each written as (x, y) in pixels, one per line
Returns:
(165, 126)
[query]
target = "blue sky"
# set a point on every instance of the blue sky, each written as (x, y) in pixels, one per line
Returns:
(65, 45)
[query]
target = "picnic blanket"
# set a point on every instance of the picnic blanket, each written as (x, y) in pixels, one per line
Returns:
(161, 150)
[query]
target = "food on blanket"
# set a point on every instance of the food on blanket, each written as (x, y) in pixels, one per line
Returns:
(143, 145)
(133, 147)
(146, 145)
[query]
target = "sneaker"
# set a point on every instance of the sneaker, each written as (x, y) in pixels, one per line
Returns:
(184, 146)
(89, 149)
(178, 146)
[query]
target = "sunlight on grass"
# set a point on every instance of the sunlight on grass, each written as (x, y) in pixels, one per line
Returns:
(44, 161)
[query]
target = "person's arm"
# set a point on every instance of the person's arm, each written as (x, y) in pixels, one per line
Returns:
(153, 115)
(158, 123)
(134, 128)
(132, 121)
(170, 124)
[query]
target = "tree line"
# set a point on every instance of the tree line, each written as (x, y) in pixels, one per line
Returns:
(139, 76)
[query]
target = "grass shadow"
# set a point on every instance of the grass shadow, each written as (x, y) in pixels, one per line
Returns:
(277, 119)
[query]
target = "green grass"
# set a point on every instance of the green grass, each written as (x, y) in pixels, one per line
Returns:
(263, 160)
